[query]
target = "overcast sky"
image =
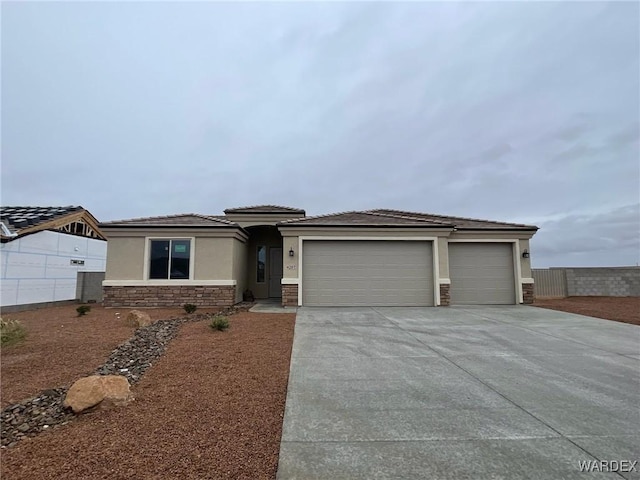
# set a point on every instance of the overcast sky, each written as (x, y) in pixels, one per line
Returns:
(525, 112)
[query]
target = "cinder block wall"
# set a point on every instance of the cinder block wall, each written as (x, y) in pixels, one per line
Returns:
(609, 281)
(89, 286)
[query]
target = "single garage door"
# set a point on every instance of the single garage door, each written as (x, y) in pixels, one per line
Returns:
(481, 274)
(367, 273)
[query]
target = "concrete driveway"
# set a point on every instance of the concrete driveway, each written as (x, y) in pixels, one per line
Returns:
(453, 393)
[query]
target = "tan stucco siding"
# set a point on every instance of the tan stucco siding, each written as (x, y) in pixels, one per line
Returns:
(443, 258)
(290, 266)
(214, 258)
(212, 252)
(525, 263)
(240, 251)
(125, 258)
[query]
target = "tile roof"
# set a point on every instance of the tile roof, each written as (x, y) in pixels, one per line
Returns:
(265, 209)
(183, 220)
(461, 223)
(377, 217)
(16, 219)
(362, 219)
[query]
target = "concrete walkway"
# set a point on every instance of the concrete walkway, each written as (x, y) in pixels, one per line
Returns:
(272, 305)
(459, 393)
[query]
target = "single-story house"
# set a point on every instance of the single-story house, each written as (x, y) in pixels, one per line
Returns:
(42, 250)
(374, 258)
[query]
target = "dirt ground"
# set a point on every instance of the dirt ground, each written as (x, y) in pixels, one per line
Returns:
(61, 347)
(620, 309)
(211, 407)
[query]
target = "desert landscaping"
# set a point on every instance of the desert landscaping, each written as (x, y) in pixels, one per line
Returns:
(210, 407)
(206, 404)
(619, 309)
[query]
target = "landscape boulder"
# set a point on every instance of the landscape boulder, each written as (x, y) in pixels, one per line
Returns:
(98, 389)
(136, 318)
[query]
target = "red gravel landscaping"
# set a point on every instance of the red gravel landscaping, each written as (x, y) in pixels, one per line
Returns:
(620, 309)
(60, 347)
(211, 407)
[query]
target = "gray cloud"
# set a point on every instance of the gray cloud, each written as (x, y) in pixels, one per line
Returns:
(510, 111)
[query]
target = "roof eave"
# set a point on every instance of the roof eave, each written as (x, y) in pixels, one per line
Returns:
(499, 229)
(361, 225)
(156, 225)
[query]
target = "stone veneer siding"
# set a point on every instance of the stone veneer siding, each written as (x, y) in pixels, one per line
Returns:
(289, 295)
(169, 296)
(527, 293)
(445, 294)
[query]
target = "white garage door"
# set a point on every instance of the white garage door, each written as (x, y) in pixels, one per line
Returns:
(481, 274)
(367, 273)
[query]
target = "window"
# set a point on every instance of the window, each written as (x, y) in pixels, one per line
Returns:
(262, 263)
(169, 259)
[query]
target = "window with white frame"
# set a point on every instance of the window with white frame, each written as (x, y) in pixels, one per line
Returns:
(169, 259)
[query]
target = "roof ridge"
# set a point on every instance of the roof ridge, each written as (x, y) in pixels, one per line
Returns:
(404, 217)
(458, 218)
(292, 209)
(294, 220)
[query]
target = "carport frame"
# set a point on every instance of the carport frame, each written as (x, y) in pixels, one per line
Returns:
(517, 271)
(433, 240)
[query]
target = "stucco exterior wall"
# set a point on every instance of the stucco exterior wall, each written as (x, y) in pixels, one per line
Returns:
(443, 257)
(125, 258)
(290, 264)
(525, 263)
(240, 251)
(213, 258)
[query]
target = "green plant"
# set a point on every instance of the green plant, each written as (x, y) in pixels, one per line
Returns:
(189, 307)
(219, 322)
(11, 331)
(83, 310)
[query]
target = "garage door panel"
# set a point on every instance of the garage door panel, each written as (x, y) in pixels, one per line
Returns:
(367, 273)
(481, 273)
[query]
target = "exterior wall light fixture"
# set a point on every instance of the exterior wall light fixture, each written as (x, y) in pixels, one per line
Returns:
(291, 252)
(525, 254)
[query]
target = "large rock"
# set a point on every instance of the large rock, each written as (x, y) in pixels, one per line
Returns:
(96, 389)
(136, 318)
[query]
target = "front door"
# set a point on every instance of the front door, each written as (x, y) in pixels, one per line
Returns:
(275, 272)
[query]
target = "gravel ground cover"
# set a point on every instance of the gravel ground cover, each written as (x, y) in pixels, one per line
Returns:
(210, 407)
(620, 309)
(61, 347)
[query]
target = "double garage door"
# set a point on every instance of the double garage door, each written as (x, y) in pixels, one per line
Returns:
(400, 273)
(367, 273)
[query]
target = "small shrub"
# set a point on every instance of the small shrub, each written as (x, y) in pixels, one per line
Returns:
(83, 310)
(219, 322)
(11, 331)
(189, 307)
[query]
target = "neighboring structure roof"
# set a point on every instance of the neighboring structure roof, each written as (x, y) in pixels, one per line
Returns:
(265, 209)
(461, 223)
(362, 219)
(20, 221)
(181, 220)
